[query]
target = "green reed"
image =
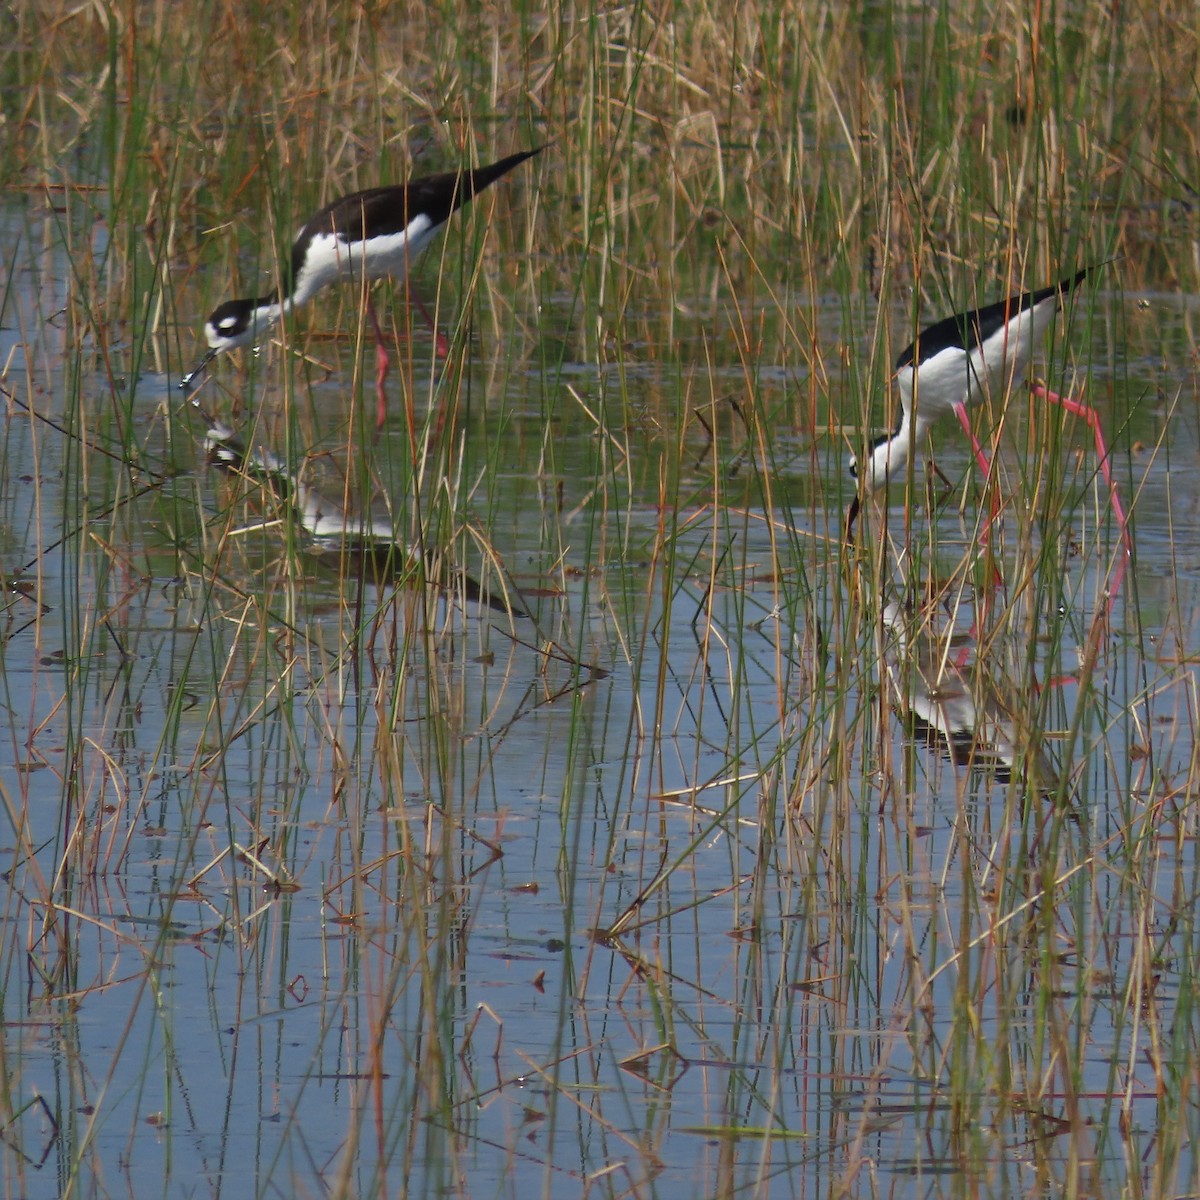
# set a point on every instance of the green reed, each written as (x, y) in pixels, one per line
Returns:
(668, 333)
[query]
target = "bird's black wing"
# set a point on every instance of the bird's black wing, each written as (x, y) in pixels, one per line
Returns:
(383, 211)
(965, 331)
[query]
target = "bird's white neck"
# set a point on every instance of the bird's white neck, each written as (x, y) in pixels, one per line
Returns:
(267, 311)
(888, 461)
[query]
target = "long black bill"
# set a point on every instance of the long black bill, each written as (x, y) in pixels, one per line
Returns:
(186, 384)
(852, 516)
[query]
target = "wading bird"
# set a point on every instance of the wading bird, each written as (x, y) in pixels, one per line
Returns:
(360, 237)
(962, 360)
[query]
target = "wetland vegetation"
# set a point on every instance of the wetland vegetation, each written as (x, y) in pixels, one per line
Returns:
(714, 856)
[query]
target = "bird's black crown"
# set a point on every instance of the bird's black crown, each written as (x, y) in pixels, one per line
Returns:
(231, 319)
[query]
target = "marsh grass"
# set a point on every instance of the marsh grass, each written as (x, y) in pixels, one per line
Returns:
(322, 879)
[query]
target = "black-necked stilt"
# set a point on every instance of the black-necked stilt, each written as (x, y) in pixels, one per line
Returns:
(960, 361)
(365, 235)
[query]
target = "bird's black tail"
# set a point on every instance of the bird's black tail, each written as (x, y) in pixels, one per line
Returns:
(1065, 286)
(475, 181)
(1073, 281)
(1062, 289)
(439, 196)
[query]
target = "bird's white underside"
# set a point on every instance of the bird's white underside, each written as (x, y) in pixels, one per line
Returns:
(332, 257)
(955, 375)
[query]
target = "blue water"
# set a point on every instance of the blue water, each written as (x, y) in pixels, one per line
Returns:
(324, 887)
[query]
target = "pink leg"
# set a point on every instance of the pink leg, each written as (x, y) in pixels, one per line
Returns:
(381, 364)
(985, 465)
(381, 367)
(1080, 409)
(440, 340)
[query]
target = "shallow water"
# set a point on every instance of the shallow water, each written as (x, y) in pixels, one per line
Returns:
(315, 884)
